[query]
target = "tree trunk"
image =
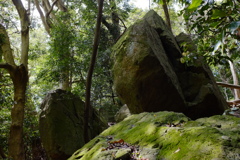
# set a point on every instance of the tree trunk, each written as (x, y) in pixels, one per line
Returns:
(90, 72)
(235, 80)
(65, 81)
(19, 76)
(165, 9)
(114, 27)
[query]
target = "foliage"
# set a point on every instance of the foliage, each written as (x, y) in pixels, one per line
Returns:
(30, 121)
(214, 24)
(8, 14)
(31, 132)
(5, 121)
(74, 36)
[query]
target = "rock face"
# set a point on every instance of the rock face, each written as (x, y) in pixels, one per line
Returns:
(61, 124)
(148, 74)
(123, 113)
(166, 136)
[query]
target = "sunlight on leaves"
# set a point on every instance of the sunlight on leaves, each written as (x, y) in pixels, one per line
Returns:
(194, 5)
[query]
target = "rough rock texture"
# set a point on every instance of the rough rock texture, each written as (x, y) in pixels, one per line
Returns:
(61, 124)
(123, 113)
(148, 74)
(166, 136)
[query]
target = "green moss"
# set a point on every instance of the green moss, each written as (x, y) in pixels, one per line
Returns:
(192, 140)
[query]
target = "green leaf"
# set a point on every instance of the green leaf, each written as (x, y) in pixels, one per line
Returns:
(194, 5)
(216, 46)
(215, 24)
(218, 13)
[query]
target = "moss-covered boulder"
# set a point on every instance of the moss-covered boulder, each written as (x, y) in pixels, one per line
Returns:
(166, 136)
(61, 124)
(149, 77)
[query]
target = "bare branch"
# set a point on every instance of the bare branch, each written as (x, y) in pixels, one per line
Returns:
(7, 66)
(46, 6)
(48, 13)
(228, 85)
(25, 22)
(123, 24)
(61, 6)
(46, 26)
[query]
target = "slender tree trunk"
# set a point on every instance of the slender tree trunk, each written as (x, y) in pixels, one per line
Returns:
(234, 75)
(65, 81)
(235, 80)
(90, 71)
(165, 9)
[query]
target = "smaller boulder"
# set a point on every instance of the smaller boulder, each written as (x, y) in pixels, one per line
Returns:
(123, 113)
(61, 124)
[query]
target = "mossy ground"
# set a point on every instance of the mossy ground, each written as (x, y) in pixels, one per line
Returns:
(198, 140)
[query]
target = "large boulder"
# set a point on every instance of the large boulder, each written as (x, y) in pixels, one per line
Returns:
(148, 74)
(166, 136)
(61, 124)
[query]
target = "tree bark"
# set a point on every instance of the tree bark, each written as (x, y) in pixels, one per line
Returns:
(45, 24)
(235, 80)
(114, 27)
(165, 9)
(234, 76)
(25, 22)
(19, 76)
(228, 85)
(90, 72)
(5, 47)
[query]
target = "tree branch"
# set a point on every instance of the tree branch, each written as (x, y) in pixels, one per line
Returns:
(48, 13)
(61, 6)
(7, 66)
(46, 26)
(5, 46)
(234, 102)
(25, 22)
(228, 85)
